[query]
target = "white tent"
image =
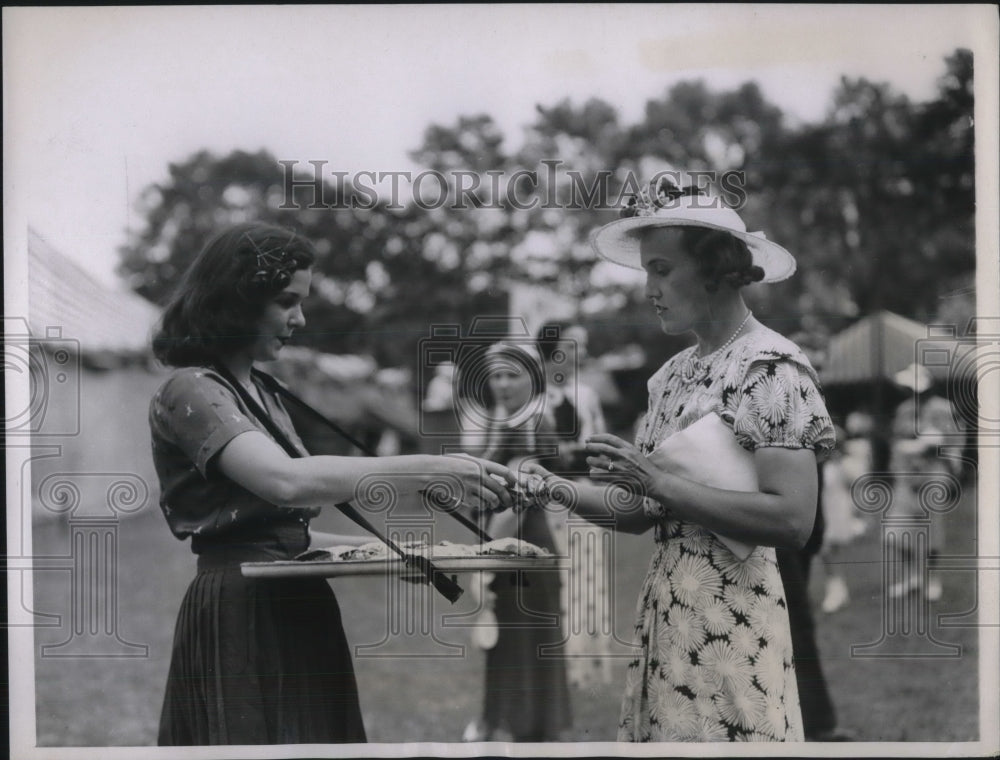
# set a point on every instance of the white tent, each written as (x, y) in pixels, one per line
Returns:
(90, 384)
(66, 302)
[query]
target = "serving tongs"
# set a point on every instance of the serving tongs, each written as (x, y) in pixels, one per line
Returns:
(443, 583)
(276, 387)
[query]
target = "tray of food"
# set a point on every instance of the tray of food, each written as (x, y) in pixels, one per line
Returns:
(503, 554)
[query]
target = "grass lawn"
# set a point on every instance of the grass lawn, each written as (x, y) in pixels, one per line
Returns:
(116, 701)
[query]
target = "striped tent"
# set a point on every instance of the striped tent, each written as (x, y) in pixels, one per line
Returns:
(67, 302)
(876, 348)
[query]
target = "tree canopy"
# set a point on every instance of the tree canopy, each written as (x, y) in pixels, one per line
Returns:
(876, 201)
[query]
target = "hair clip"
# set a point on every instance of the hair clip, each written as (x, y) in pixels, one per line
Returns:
(274, 267)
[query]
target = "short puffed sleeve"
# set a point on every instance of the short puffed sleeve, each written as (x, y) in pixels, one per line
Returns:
(196, 411)
(778, 403)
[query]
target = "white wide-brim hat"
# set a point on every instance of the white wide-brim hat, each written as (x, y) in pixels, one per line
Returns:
(618, 241)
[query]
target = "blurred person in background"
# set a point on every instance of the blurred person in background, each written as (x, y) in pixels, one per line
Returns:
(573, 405)
(258, 661)
(440, 396)
(857, 459)
(843, 526)
(715, 656)
(819, 717)
(575, 409)
(922, 422)
(526, 690)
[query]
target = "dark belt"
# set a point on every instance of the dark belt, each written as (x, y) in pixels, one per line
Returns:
(275, 542)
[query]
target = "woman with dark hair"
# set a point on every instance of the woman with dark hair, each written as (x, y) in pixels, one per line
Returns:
(257, 661)
(526, 693)
(715, 652)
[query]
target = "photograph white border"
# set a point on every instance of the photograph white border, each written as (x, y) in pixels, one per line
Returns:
(18, 166)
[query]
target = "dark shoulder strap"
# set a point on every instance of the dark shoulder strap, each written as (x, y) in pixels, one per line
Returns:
(445, 585)
(277, 388)
(273, 384)
(259, 412)
(567, 420)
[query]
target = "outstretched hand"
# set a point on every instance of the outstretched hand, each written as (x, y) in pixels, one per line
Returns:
(484, 484)
(534, 485)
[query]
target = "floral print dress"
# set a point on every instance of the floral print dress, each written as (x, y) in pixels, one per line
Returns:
(715, 660)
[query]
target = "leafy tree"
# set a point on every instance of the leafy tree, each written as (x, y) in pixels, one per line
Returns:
(876, 201)
(205, 192)
(879, 198)
(371, 289)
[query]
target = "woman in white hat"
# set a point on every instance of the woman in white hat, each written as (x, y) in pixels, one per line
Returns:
(715, 660)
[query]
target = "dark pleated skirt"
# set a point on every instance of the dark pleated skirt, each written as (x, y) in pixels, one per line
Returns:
(259, 662)
(527, 691)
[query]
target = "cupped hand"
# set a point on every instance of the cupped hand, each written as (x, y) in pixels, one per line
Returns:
(543, 485)
(614, 458)
(485, 485)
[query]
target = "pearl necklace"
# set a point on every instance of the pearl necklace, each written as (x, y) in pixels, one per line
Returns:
(695, 368)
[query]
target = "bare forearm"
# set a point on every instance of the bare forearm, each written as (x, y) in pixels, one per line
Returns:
(603, 505)
(255, 462)
(328, 480)
(780, 512)
(765, 519)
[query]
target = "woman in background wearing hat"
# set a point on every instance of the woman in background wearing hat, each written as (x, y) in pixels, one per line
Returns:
(715, 661)
(526, 691)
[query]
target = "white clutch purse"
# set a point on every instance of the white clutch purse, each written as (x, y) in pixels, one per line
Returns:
(707, 452)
